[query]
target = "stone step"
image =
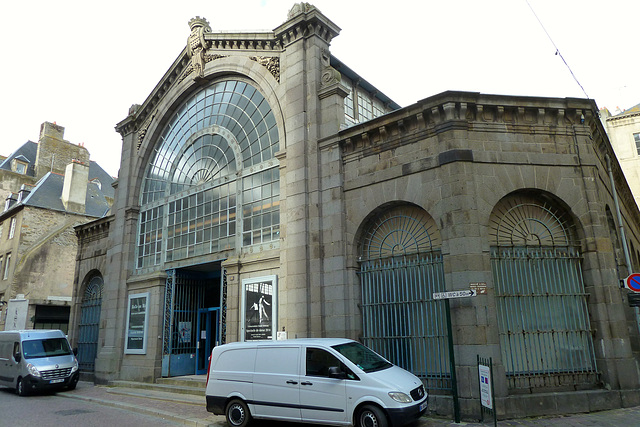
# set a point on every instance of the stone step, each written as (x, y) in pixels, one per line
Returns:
(195, 389)
(155, 394)
(196, 381)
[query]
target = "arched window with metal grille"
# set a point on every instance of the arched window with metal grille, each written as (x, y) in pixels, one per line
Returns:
(89, 326)
(400, 269)
(543, 322)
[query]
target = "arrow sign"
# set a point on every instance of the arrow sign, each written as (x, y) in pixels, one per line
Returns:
(459, 294)
(633, 282)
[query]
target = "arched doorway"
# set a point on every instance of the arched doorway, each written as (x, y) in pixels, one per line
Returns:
(400, 269)
(543, 322)
(89, 326)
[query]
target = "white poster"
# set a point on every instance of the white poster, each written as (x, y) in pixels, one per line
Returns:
(485, 386)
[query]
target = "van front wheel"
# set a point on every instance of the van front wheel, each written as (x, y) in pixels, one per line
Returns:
(237, 413)
(20, 390)
(371, 416)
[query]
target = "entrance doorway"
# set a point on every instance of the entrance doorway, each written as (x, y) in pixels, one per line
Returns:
(208, 337)
(192, 316)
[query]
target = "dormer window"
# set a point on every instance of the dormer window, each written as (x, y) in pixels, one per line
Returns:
(20, 165)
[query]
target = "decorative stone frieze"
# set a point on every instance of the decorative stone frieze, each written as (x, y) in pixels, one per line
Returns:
(142, 131)
(271, 63)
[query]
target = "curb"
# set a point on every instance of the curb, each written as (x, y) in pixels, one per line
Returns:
(195, 422)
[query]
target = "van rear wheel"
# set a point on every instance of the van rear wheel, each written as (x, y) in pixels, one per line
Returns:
(237, 413)
(371, 416)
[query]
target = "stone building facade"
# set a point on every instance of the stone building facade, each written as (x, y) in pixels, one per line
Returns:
(265, 187)
(49, 187)
(624, 133)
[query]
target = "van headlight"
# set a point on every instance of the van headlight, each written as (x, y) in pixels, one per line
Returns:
(75, 365)
(33, 370)
(400, 397)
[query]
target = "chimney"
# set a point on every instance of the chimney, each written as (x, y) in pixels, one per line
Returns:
(74, 191)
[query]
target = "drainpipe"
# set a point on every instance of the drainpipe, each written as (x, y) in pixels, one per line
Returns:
(625, 249)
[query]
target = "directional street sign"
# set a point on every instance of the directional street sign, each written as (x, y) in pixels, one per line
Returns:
(632, 282)
(454, 294)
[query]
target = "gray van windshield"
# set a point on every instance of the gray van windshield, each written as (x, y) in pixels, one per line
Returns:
(49, 347)
(363, 357)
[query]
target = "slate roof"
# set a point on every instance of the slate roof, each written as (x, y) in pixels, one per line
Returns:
(96, 172)
(26, 151)
(633, 110)
(47, 193)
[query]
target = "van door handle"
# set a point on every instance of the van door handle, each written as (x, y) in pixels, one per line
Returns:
(292, 382)
(306, 383)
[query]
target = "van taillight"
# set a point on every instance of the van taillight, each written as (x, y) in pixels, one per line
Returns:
(208, 369)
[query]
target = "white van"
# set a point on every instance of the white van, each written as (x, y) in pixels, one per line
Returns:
(37, 359)
(323, 380)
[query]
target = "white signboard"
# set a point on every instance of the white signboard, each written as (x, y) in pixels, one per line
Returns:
(485, 386)
(17, 310)
(454, 294)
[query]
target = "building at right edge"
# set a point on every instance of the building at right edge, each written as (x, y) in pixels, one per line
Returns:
(265, 186)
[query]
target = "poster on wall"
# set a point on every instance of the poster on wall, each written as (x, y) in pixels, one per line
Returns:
(259, 308)
(137, 319)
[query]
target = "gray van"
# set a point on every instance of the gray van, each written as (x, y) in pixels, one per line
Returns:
(37, 360)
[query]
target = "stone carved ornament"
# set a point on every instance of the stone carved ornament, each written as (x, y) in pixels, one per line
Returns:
(330, 75)
(197, 45)
(299, 8)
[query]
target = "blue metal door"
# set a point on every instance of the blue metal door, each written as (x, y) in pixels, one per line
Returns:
(208, 337)
(89, 325)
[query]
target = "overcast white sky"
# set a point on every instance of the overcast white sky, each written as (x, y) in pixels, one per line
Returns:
(83, 63)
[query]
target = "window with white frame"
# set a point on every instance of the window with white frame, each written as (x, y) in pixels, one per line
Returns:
(7, 261)
(636, 138)
(12, 227)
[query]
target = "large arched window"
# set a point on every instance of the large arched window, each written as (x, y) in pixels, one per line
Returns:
(400, 269)
(212, 183)
(543, 321)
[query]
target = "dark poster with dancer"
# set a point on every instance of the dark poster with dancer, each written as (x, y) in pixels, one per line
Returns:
(259, 308)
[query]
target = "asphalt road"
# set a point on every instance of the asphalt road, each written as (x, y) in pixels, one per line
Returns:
(48, 409)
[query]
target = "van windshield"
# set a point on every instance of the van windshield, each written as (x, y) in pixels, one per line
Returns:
(363, 357)
(49, 347)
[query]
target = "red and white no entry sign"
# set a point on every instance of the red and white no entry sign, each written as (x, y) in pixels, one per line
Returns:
(633, 282)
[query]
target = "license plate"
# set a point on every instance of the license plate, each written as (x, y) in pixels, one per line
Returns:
(56, 381)
(423, 406)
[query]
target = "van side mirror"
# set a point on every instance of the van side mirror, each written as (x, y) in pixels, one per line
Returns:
(75, 351)
(17, 357)
(336, 372)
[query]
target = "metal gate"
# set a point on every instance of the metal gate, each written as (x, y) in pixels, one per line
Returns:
(401, 267)
(184, 295)
(543, 321)
(89, 326)
(187, 336)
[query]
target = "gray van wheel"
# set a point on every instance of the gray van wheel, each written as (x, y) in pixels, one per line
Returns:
(20, 390)
(237, 413)
(371, 416)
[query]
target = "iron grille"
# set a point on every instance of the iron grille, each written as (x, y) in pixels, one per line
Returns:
(544, 329)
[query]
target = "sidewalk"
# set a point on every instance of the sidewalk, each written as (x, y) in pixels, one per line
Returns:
(191, 410)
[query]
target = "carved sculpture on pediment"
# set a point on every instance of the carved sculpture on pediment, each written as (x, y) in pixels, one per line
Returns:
(298, 8)
(197, 45)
